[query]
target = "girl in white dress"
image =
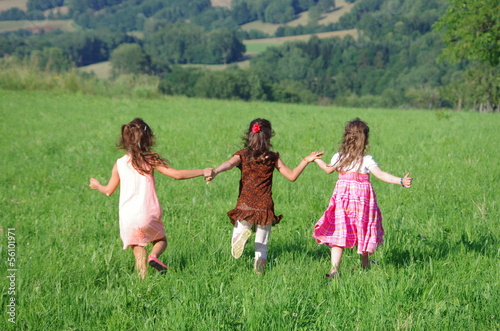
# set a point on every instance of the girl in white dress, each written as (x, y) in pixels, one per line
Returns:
(140, 212)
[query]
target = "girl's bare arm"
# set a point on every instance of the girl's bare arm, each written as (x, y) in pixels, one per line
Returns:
(327, 168)
(228, 165)
(388, 178)
(109, 188)
(183, 174)
(292, 175)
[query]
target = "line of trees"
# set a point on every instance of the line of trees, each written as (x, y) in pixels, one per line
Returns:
(81, 47)
(125, 16)
(164, 44)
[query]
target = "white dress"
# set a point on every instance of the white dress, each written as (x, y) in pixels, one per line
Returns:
(140, 211)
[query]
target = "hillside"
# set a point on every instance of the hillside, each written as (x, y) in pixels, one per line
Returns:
(342, 7)
(8, 4)
(370, 52)
(37, 26)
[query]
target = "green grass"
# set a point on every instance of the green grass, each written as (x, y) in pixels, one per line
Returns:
(257, 47)
(438, 268)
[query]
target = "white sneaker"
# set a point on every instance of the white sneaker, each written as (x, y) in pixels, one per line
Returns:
(239, 245)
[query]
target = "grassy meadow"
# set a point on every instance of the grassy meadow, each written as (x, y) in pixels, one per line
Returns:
(438, 268)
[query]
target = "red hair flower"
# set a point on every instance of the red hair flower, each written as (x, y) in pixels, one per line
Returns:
(256, 128)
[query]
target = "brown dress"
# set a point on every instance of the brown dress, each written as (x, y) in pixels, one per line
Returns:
(255, 203)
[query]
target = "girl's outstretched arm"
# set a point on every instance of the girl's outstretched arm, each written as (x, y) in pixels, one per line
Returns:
(226, 165)
(327, 168)
(388, 178)
(292, 175)
(183, 174)
(110, 188)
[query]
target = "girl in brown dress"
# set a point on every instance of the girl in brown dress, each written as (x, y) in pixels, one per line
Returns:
(255, 206)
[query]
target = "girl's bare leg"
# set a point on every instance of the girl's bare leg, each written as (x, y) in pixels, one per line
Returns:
(140, 260)
(365, 262)
(159, 247)
(336, 258)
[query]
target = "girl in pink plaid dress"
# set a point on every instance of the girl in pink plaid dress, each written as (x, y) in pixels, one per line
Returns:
(353, 217)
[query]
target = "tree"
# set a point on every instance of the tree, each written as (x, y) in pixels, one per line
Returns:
(279, 11)
(129, 58)
(51, 59)
(314, 15)
(326, 5)
(472, 31)
(43, 4)
(227, 84)
(180, 81)
(225, 46)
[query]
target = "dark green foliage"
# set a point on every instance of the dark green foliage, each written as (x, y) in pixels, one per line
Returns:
(215, 18)
(129, 58)
(51, 59)
(185, 43)
(286, 31)
(43, 4)
(89, 47)
(83, 5)
(228, 84)
(180, 81)
(279, 11)
(82, 47)
(233, 84)
(12, 14)
(472, 31)
(131, 15)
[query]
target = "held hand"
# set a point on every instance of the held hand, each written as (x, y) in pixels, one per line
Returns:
(406, 180)
(313, 156)
(94, 183)
(209, 175)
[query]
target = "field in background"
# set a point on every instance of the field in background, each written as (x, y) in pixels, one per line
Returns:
(7, 4)
(37, 26)
(438, 268)
(101, 70)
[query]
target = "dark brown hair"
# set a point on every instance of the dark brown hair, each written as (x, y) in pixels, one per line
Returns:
(354, 144)
(259, 143)
(137, 139)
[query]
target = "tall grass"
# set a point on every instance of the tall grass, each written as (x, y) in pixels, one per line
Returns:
(20, 75)
(438, 267)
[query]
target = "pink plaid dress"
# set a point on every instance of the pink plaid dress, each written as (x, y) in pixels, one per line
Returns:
(353, 217)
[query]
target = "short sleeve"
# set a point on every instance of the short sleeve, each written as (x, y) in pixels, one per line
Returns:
(369, 162)
(335, 158)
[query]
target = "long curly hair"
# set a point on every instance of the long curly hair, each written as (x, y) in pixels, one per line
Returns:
(353, 146)
(137, 139)
(257, 139)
